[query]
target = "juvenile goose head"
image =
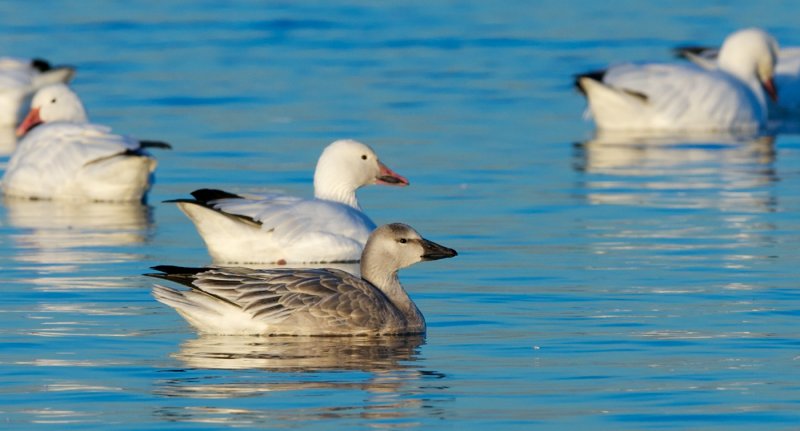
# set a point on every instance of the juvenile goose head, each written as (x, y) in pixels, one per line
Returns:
(394, 246)
(347, 165)
(750, 55)
(53, 103)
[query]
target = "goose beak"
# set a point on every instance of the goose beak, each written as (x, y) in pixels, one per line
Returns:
(433, 251)
(769, 87)
(30, 121)
(389, 177)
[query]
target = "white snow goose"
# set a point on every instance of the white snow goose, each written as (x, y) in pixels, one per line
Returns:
(20, 78)
(669, 97)
(250, 229)
(286, 301)
(787, 74)
(61, 156)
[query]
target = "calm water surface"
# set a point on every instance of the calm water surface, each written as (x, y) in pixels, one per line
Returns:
(642, 285)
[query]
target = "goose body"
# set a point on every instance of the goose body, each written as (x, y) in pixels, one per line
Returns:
(669, 97)
(290, 301)
(248, 229)
(63, 157)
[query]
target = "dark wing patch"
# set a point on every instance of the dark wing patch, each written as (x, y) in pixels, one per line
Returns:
(596, 75)
(155, 144)
(207, 195)
(203, 197)
(41, 65)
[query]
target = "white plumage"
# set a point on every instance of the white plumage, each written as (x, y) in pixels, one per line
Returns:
(247, 229)
(19, 78)
(672, 97)
(787, 74)
(63, 157)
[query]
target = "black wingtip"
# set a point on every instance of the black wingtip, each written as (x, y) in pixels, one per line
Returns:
(155, 144)
(41, 65)
(206, 195)
(181, 270)
(596, 75)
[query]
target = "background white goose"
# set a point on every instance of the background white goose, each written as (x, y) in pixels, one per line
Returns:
(246, 229)
(19, 78)
(787, 74)
(307, 301)
(687, 97)
(62, 156)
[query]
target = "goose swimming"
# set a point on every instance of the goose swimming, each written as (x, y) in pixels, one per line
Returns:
(331, 227)
(62, 156)
(289, 301)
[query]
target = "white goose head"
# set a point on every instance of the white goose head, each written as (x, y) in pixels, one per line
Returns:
(53, 103)
(347, 165)
(750, 55)
(394, 246)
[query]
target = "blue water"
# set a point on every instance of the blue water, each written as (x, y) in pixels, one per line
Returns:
(597, 286)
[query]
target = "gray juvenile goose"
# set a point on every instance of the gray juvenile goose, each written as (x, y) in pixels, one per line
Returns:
(307, 301)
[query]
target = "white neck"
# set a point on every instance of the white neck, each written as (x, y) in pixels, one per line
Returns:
(336, 192)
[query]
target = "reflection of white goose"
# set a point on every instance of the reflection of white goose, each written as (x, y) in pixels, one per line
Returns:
(55, 232)
(646, 171)
(66, 158)
(687, 97)
(295, 301)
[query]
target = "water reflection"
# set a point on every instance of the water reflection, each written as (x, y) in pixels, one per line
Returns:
(679, 171)
(372, 378)
(691, 202)
(299, 353)
(58, 233)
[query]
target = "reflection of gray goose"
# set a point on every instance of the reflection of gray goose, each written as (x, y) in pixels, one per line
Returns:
(307, 301)
(298, 353)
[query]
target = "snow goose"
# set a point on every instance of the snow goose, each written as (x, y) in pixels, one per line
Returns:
(307, 301)
(19, 78)
(63, 157)
(686, 97)
(248, 229)
(787, 74)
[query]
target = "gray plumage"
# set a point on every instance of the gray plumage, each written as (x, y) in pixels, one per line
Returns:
(307, 301)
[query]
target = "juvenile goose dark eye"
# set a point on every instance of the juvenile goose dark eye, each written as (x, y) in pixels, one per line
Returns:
(53, 101)
(402, 240)
(363, 157)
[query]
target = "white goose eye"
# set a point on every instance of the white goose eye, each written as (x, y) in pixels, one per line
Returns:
(402, 240)
(53, 101)
(363, 157)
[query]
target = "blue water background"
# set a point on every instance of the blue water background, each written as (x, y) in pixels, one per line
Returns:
(604, 287)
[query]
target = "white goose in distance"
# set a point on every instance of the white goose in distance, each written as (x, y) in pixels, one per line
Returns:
(63, 157)
(19, 78)
(669, 97)
(287, 301)
(787, 74)
(250, 229)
